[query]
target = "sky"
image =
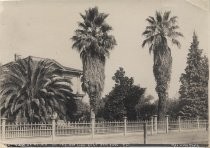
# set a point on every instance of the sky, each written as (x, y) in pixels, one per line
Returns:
(44, 29)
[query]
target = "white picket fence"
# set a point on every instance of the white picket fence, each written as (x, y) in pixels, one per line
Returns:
(73, 128)
(54, 129)
(27, 130)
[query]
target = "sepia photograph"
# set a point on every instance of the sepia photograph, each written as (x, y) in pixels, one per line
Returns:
(94, 73)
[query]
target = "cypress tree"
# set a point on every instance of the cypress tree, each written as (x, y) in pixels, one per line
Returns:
(194, 84)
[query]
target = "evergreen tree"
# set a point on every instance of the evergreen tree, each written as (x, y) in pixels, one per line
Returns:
(194, 84)
(123, 98)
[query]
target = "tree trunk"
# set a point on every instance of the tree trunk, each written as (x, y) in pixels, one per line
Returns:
(162, 73)
(162, 106)
(93, 79)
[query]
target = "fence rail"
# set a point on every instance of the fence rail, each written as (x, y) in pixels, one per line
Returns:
(109, 127)
(73, 128)
(53, 129)
(27, 130)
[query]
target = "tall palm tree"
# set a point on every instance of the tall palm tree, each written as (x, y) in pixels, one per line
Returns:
(93, 42)
(161, 29)
(33, 90)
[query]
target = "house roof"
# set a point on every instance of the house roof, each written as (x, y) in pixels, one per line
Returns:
(69, 70)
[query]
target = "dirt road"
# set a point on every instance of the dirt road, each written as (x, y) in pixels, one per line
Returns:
(187, 137)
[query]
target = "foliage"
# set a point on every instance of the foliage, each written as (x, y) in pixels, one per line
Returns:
(78, 110)
(121, 101)
(93, 42)
(194, 84)
(161, 28)
(33, 90)
(1, 69)
(101, 108)
(172, 108)
(145, 109)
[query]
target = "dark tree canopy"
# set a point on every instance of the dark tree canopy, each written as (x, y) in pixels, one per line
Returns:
(145, 108)
(123, 98)
(194, 84)
(77, 110)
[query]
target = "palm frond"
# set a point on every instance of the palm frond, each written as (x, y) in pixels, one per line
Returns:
(173, 20)
(105, 28)
(91, 13)
(82, 25)
(83, 16)
(148, 41)
(166, 15)
(151, 20)
(147, 32)
(176, 42)
(151, 48)
(151, 28)
(8, 100)
(99, 20)
(158, 16)
(175, 34)
(17, 108)
(174, 27)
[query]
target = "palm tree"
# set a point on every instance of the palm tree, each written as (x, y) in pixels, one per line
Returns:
(33, 90)
(93, 42)
(161, 29)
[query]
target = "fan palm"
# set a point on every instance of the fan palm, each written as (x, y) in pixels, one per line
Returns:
(33, 90)
(93, 42)
(161, 29)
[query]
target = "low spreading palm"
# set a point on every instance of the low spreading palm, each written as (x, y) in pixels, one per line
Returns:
(33, 90)
(160, 30)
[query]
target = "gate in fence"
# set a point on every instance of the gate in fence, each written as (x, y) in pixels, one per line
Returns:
(53, 129)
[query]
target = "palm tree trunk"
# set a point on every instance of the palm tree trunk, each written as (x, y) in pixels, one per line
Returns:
(162, 105)
(162, 73)
(94, 76)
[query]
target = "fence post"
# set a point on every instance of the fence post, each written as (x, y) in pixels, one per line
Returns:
(155, 124)
(93, 125)
(145, 133)
(125, 125)
(198, 122)
(151, 125)
(207, 124)
(53, 127)
(166, 124)
(179, 122)
(3, 127)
